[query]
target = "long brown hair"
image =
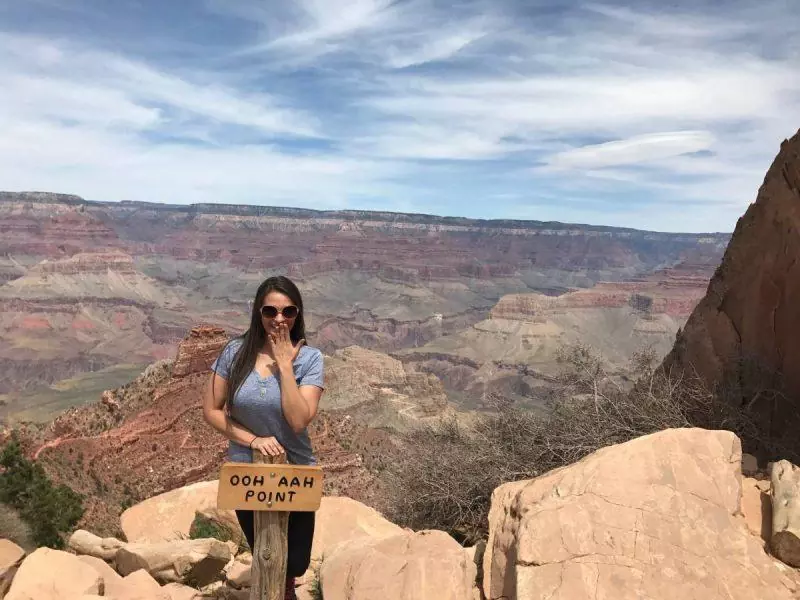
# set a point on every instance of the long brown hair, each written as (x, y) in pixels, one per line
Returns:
(254, 338)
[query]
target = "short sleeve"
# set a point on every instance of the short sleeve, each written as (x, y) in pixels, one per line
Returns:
(313, 372)
(222, 365)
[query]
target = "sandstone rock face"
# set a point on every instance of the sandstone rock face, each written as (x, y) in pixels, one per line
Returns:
(54, 575)
(409, 566)
(786, 512)
(168, 516)
(653, 518)
(745, 330)
(198, 350)
(673, 292)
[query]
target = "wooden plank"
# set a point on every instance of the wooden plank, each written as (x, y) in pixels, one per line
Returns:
(268, 569)
(269, 487)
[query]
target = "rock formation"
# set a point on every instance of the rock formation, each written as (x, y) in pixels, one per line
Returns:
(86, 285)
(743, 336)
(656, 517)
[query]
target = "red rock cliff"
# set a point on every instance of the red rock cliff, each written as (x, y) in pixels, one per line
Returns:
(748, 325)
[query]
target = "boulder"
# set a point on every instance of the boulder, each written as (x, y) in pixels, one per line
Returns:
(785, 541)
(756, 509)
(199, 561)
(178, 591)
(238, 574)
(656, 517)
(85, 542)
(48, 574)
(11, 557)
(168, 516)
(340, 519)
(138, 585)
(408, 566)
(103, 569)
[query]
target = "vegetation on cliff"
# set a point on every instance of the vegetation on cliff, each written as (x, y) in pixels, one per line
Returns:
(48, 510)
(442, 476)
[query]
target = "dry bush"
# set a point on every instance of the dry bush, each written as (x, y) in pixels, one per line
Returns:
(444, 474)
(13, 528)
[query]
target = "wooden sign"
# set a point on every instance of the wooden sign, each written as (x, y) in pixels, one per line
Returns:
(277, 487)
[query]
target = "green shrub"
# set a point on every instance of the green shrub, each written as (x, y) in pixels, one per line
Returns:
(49, 510)
(202, 527)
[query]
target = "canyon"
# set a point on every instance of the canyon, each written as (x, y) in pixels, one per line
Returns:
(94, 291)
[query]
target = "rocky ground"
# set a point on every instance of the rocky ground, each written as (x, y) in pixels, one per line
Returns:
(662, 516)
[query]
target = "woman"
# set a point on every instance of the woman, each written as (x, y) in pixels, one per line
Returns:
(263, 393)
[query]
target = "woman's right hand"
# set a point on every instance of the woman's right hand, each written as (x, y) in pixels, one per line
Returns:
(268, 446)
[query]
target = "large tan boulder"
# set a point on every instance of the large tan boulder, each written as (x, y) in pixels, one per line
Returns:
(85, 542)
(11, 557)
(103, 569)
(168, 516)
(138, 585)
(408, 566)
(656, 517)
(199, 561)
(48, 574)
(786, 512)
(341, 519)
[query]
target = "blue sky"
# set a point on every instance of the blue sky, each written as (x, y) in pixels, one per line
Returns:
(653, 115)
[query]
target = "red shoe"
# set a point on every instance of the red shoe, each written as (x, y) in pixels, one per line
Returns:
(289, 594)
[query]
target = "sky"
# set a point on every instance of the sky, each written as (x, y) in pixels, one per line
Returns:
(654, 115)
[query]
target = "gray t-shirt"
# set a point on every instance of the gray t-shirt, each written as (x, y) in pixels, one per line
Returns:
(257, 404)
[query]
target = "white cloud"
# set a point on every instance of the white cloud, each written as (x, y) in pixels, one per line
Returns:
(75, 83)
(633, 150)
(323, 101)
(106, 127)
(438, 48)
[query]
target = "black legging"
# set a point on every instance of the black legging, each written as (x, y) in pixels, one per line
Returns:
(300, 535)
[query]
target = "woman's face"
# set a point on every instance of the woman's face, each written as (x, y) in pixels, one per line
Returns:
(276, 301)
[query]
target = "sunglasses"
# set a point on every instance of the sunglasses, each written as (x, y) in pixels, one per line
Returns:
(288, 312)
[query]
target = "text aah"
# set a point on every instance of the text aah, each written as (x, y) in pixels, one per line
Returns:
(250, 486)
(262, 496)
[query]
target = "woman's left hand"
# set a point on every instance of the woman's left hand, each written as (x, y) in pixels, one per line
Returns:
(283, 351)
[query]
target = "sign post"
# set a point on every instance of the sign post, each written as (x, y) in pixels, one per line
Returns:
(271, 488)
